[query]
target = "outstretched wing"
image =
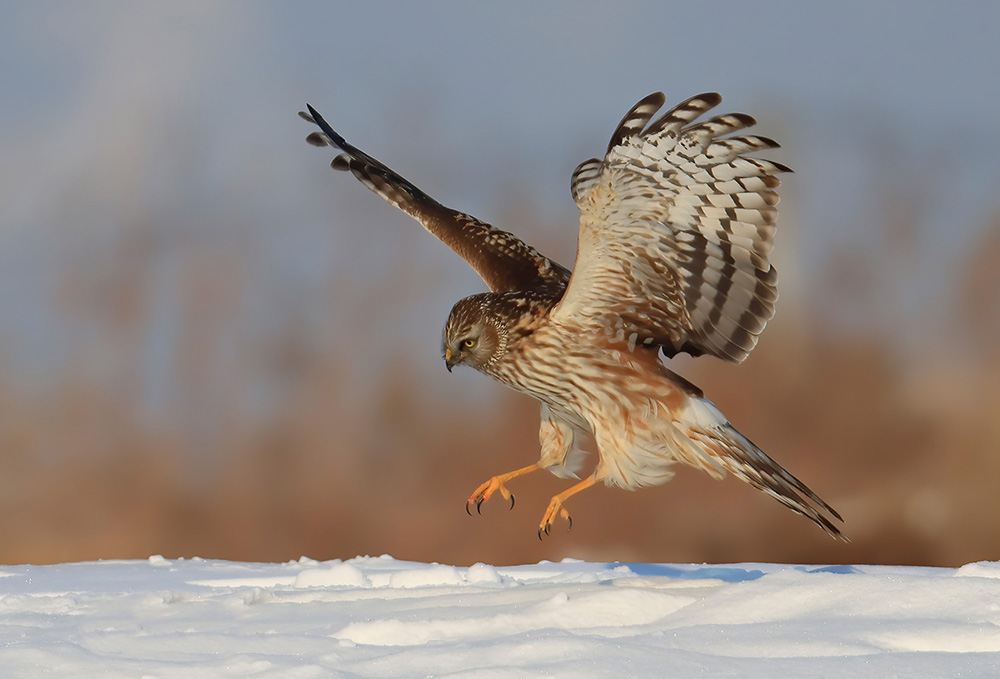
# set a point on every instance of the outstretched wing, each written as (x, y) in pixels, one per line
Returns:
(676, 225)
(502, 259)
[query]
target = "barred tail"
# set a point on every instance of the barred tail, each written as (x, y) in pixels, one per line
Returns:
(710, 431)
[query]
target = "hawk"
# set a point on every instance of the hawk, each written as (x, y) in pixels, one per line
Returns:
(676, 227)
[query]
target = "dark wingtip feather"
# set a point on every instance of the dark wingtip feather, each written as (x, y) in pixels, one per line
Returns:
(767, 141)
(636, 118)
(713, 99)
(317, 139)
(685, 112)
(332, 136)
(341, 163)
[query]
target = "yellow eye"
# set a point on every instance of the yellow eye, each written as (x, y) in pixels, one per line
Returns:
(468, 343)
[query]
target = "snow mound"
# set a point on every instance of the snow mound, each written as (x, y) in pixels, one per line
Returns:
(379, 617)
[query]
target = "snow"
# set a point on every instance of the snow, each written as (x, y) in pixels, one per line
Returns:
(380, 617)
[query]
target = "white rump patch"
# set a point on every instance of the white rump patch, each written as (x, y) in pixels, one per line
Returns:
(703, 414)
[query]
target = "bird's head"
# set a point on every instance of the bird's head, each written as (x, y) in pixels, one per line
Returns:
(474, 335)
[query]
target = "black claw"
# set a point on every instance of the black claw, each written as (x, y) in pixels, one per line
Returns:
(570, 520)
(479, 506)
(539, 532)
(512, 501)
(467, 510)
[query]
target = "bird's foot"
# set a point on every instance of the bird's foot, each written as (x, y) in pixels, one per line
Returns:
(485, 491)
(497, 483)
(555, 509)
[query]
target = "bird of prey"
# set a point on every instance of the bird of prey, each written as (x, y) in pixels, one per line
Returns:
(677, 223)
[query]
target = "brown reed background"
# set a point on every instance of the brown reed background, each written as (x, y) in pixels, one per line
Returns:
(213, 345)
(331, 429)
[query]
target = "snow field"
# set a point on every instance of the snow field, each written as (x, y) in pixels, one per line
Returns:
(379, 617)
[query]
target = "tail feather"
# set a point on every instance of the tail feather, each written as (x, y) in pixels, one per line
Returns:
(711, 432)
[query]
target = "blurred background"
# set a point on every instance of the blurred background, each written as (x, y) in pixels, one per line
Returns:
(211, 344)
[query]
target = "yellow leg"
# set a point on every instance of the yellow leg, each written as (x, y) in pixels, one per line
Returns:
(556, 506)
(486, 490)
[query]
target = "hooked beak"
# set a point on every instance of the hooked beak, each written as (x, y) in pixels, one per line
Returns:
(447, 360)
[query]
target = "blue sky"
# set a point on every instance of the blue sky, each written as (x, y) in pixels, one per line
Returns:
(185, 111)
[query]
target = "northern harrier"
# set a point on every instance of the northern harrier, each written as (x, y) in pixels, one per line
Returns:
(676, 225)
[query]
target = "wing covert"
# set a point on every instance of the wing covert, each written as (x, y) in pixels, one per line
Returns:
(676, 228)
(502, 260)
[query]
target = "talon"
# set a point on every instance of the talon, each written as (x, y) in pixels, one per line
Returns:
(556, 508)
(539, 533)
(497, 484)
